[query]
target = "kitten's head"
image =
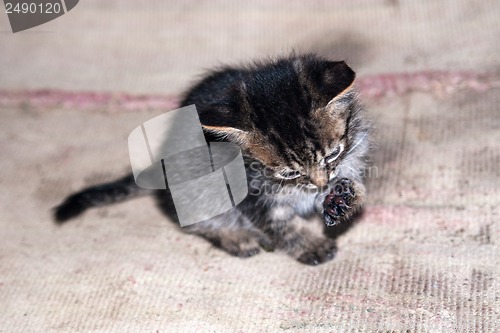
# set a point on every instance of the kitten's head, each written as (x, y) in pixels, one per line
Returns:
(296, 116)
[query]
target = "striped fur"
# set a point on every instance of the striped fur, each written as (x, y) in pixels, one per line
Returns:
(294, 117)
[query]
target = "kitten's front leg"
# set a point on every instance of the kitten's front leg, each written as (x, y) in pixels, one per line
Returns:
(302, 239)
(345, 199)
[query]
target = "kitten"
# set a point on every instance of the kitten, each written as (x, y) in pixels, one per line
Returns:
(304, 142)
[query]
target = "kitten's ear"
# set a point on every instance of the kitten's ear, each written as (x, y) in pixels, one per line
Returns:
(336, 79)
(337, 86)
(223, 123)
(341, 102)
(230, 133)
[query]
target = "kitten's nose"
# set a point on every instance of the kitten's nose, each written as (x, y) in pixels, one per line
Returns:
(319, 178)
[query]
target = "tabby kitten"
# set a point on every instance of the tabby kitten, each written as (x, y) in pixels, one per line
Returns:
(304, 142)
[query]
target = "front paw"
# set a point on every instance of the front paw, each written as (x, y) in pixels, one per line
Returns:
(322, 252)
(340, 203)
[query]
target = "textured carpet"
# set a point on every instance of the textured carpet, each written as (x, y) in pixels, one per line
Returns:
(424, 257)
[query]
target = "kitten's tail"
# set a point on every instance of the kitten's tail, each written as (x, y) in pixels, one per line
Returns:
(100, 195)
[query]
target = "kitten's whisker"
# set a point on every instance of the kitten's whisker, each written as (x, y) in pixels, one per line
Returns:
(280, 186)
(357, 143)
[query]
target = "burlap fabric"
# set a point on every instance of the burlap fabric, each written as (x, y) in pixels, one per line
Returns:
(424, 257)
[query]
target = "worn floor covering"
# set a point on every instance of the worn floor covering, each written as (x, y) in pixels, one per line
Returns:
(424, 257)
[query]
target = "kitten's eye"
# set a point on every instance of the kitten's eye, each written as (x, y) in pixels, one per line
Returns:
(288, 174)
(335, 154)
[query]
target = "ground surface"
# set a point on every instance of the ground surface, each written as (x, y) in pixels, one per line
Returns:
(423, 258)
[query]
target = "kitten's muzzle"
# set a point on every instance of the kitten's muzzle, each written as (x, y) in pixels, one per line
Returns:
(319, 178)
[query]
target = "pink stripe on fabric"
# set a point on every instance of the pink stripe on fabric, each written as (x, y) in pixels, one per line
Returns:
(375, 87)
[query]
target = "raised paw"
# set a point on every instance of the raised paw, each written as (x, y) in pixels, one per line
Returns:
(338, 204)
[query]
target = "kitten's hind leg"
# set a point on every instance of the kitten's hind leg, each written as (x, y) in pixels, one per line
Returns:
(237, 243)
(231, 232)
